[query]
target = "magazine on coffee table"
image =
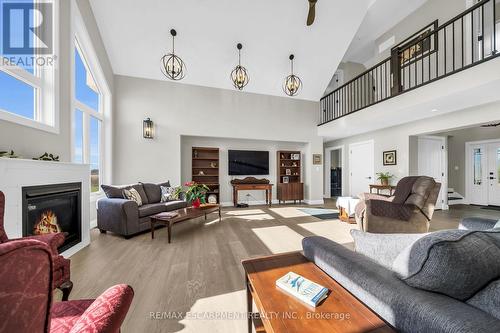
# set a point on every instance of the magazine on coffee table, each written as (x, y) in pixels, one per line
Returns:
(303, 289)
(167, 215)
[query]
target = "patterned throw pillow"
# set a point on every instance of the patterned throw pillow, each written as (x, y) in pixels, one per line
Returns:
(167, 193)
(132, 194)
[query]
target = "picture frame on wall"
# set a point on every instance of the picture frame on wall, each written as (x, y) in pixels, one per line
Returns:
(317, 159)
(390, 157)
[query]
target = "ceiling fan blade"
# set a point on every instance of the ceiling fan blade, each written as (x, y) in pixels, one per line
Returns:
(312, 12)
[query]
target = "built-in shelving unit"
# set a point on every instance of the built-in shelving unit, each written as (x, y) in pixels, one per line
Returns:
(289, 176)
(205, 169)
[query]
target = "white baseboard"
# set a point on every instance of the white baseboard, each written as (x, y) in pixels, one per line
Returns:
(274, 202)
(250, 203)
(314, 202)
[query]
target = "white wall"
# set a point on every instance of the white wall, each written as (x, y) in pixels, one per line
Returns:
(185, 110)
(225, 144)
(398, 137)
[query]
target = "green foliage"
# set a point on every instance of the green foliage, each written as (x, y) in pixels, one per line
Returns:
(384, 176)
(195, 191)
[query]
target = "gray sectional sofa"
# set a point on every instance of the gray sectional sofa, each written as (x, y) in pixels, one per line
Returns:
(124, 217)
(446, 281)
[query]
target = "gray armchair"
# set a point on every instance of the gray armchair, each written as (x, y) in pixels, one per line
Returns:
(410, 210)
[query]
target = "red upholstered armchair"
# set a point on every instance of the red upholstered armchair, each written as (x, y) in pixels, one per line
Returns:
(26, 296)
(61, 276)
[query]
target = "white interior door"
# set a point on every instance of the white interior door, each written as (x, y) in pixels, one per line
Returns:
(361, 167)
(477, 179)
(432, 163)
(493, 176)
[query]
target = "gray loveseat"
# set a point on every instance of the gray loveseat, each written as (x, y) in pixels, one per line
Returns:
(400, 300)
(125, 217)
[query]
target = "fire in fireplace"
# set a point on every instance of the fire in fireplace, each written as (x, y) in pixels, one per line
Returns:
(51, 209)
(46, 223)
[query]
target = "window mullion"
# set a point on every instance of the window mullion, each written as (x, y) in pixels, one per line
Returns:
(86, 138)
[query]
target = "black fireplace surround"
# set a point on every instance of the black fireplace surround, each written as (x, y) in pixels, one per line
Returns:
(53, 208)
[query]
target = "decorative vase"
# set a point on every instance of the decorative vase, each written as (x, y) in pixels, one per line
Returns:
(196, 203)
(384, 181)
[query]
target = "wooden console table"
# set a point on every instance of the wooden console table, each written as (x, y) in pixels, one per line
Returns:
(250, 187)
(383, 187)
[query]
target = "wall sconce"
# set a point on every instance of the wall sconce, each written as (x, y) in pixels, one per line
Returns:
(147, 128)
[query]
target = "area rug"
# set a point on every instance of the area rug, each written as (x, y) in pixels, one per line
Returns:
(497, 208)
(321, 213)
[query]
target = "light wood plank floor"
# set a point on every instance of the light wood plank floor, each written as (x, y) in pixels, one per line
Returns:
(200, 270)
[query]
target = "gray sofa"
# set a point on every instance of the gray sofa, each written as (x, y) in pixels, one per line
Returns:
(369, 274)
(125, 217)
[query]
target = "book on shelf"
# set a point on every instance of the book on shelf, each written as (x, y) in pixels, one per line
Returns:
(303, 289)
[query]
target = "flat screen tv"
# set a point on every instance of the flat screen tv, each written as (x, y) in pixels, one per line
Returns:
(247, 162)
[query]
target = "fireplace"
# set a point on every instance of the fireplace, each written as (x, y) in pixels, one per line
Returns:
(53, 208)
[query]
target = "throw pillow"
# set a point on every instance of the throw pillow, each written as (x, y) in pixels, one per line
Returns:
(153, 192)
(457, 263)
(112, 192)
(488, 299)
(167, 193)
(382, 248)
(132, 194)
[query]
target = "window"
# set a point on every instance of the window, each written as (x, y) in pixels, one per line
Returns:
(27, 80)
(87, 119)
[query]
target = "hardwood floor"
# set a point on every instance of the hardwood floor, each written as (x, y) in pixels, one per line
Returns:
(200, 271)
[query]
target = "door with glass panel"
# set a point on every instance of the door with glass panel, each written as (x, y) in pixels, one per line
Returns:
(493, 174)
(483, 178)
(477, 176)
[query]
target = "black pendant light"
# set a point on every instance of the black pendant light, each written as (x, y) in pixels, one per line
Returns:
(239, 75)
(293, 83)
(172, 66)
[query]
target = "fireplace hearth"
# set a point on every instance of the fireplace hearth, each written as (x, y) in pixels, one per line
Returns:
(51, 209)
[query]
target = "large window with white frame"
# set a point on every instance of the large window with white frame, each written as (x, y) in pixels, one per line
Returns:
(88, 118)
(27, 78)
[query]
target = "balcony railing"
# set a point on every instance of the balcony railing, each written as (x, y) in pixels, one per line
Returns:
(432, 54)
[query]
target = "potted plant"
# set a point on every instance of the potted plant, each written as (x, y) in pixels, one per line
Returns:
(384, 177)
(195, 193)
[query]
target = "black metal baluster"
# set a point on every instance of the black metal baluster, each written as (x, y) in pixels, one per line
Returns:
(494, 28)
(453, 45)
(482, 32)
(445, 53)
(472, 36)
(463, 38)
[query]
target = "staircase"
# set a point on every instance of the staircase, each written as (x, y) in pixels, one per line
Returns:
(455, 198)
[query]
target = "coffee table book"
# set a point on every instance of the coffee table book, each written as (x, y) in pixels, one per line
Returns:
(303, 289)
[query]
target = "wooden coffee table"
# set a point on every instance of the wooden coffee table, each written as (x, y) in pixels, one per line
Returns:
(280, 312)
(183, 214)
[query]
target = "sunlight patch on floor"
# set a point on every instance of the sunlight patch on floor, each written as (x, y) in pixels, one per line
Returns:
(258, 217)
(335, 230)
(279, 239)
(227, 310)
(244, 212)
(289, 212)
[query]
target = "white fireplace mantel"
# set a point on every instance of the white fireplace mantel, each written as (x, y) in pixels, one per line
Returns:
(18, 173)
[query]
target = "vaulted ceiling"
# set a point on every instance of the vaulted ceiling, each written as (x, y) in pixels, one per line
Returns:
(136, 35)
